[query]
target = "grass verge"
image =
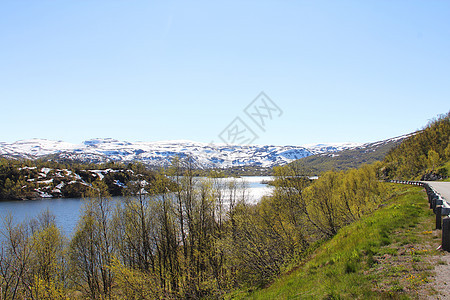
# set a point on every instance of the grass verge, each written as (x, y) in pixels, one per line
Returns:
(388, 254)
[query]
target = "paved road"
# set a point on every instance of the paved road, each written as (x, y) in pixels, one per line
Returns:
(441, 282)
(442, 188)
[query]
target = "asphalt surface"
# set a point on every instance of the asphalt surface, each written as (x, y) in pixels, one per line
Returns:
(441, 278)
(442, 188)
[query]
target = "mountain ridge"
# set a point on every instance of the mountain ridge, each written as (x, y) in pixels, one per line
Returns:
(160, 153)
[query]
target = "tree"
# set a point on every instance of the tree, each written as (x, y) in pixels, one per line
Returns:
(48, 262)
(32, 259)
(134, 230)
(14, 259)
(133, 284)
(433, 160)
(447, 151)
(91, 247)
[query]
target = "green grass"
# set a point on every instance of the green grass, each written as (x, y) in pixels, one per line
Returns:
(355, 263)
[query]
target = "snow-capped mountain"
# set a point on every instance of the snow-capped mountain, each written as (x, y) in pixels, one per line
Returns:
(160, 153)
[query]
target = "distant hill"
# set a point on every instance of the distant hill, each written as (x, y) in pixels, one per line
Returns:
(348, 158)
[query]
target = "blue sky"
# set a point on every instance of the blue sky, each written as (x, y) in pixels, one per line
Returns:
(340, 71)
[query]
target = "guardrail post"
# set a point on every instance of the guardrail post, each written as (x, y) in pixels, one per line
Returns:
(446, 234)
(438, 212)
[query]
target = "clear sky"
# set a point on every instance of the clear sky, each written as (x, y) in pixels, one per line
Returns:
(339, 71)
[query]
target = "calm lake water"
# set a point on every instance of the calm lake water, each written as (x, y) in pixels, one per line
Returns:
(67, 210)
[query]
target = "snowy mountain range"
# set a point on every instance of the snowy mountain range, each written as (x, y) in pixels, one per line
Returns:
(159, 154)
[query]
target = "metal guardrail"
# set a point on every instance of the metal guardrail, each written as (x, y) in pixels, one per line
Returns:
(440, 206)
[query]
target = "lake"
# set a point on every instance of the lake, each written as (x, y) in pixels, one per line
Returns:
(67, 210)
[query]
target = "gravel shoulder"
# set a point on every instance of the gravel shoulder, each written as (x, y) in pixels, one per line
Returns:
(441, 279)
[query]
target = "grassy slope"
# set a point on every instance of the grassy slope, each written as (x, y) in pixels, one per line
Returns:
(387, 254)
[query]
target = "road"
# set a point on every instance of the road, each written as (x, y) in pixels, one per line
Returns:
(441, 282)
(441, 187)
